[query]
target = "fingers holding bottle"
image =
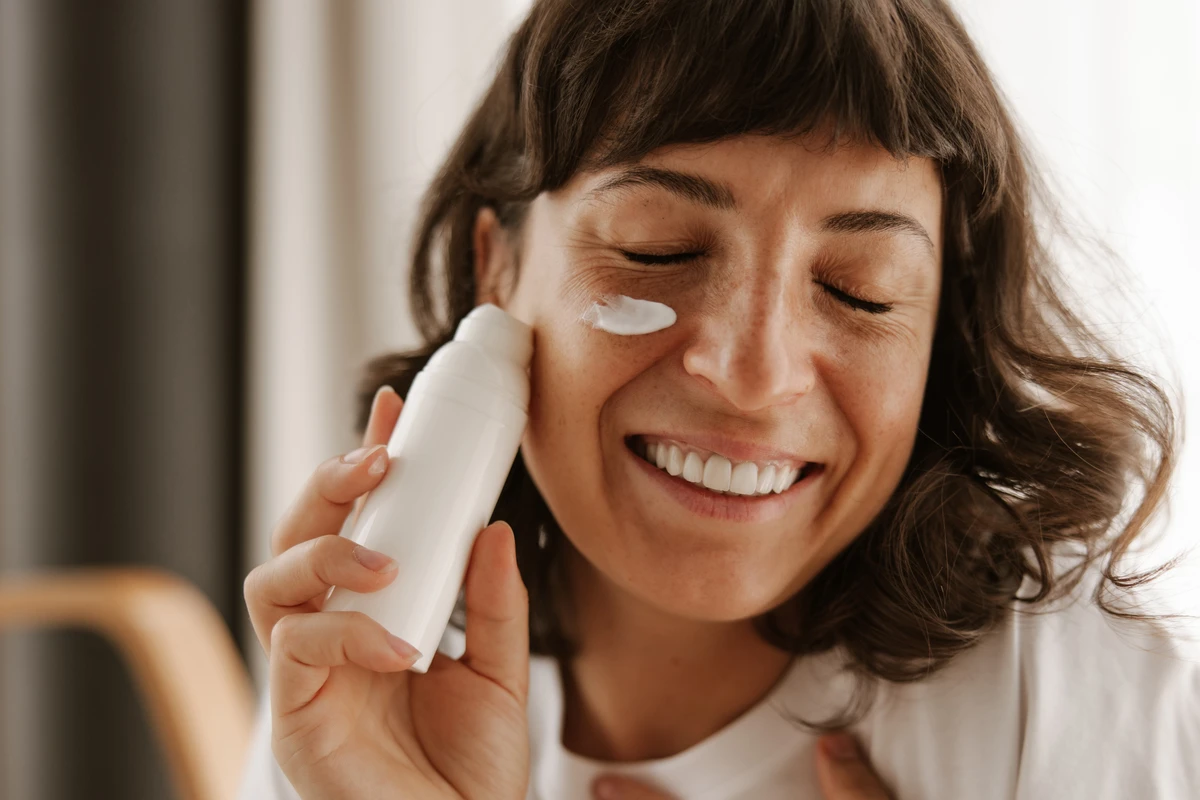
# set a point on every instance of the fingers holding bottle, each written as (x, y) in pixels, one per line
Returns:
(328, 496)
(298, 580)
(385, 411)
(306, 647)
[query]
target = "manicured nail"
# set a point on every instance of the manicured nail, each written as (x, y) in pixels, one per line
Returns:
(372, 559)
(403, 648)
(356, 456)
(379, 462)
(379, 393)
(840, 747)
(605, 789)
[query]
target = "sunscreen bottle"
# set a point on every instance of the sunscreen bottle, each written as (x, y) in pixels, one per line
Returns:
(450, 453)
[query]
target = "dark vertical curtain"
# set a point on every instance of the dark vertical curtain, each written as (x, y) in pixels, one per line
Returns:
(121, 301)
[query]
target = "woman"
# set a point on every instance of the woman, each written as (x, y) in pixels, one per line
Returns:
(832, 199)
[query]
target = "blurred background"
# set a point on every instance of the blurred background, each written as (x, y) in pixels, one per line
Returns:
(204, 215)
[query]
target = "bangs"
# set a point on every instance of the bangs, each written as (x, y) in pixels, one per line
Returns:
(886, 72)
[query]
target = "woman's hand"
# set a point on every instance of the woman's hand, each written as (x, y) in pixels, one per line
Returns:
(348, 720)
(841, 771)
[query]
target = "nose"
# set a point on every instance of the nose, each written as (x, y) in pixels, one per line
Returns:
(751, 350)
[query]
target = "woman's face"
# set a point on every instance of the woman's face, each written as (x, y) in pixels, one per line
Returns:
(805, 283)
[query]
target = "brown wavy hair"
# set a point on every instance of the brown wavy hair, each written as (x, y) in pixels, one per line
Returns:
(1040, 452)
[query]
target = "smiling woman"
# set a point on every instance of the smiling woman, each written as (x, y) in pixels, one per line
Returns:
(840, 316)
(874, 434)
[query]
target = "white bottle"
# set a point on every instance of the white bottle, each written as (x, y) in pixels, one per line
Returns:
(450, 452)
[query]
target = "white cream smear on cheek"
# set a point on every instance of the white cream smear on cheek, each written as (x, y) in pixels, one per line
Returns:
(628, 316)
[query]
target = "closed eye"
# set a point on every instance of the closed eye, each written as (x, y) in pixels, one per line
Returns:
(661, 258)
(856, 302)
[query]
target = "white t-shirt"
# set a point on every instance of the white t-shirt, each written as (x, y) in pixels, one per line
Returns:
(1062, 704)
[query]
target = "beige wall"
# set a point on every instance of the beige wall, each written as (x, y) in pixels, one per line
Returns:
(1109, 93)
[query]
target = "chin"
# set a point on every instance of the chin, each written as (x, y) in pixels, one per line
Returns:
(704, 586)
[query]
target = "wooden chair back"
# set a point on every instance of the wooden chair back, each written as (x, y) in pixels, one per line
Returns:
(184, 662)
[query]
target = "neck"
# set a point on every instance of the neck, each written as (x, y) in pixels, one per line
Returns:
(646, 684)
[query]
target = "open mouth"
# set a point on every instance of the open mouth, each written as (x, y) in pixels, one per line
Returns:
(717, 473)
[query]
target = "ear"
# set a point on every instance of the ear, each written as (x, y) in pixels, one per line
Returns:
(494, 259)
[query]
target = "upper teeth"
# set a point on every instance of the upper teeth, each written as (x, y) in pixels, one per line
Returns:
(720, 474)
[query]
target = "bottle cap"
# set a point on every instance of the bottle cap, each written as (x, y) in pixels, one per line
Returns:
(498, 332)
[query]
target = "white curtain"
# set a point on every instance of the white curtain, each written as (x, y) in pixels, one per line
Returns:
(354, 104)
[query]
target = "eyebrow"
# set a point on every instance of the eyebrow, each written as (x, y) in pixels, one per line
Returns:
(715, 194)
(877, 222)
(683, 184)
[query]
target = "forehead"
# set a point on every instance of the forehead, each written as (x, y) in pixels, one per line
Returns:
(801, 175)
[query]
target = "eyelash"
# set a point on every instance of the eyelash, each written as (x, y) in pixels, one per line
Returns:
(662, 258)
(659, 259)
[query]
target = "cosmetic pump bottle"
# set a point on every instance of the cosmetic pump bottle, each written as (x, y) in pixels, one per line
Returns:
(450, 453)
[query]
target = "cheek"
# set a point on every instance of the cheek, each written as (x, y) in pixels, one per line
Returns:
(877, 395)
(576, 373)
(880, 390)
(571, 358)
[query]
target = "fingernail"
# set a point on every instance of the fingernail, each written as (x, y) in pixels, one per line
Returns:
(380, 462)
(355, 456)
(403, 648)
(605, 789)
(372, 559)
(381, 391)
(840, 747)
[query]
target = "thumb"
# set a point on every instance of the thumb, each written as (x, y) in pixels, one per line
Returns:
(497, 612)
(843, 772)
